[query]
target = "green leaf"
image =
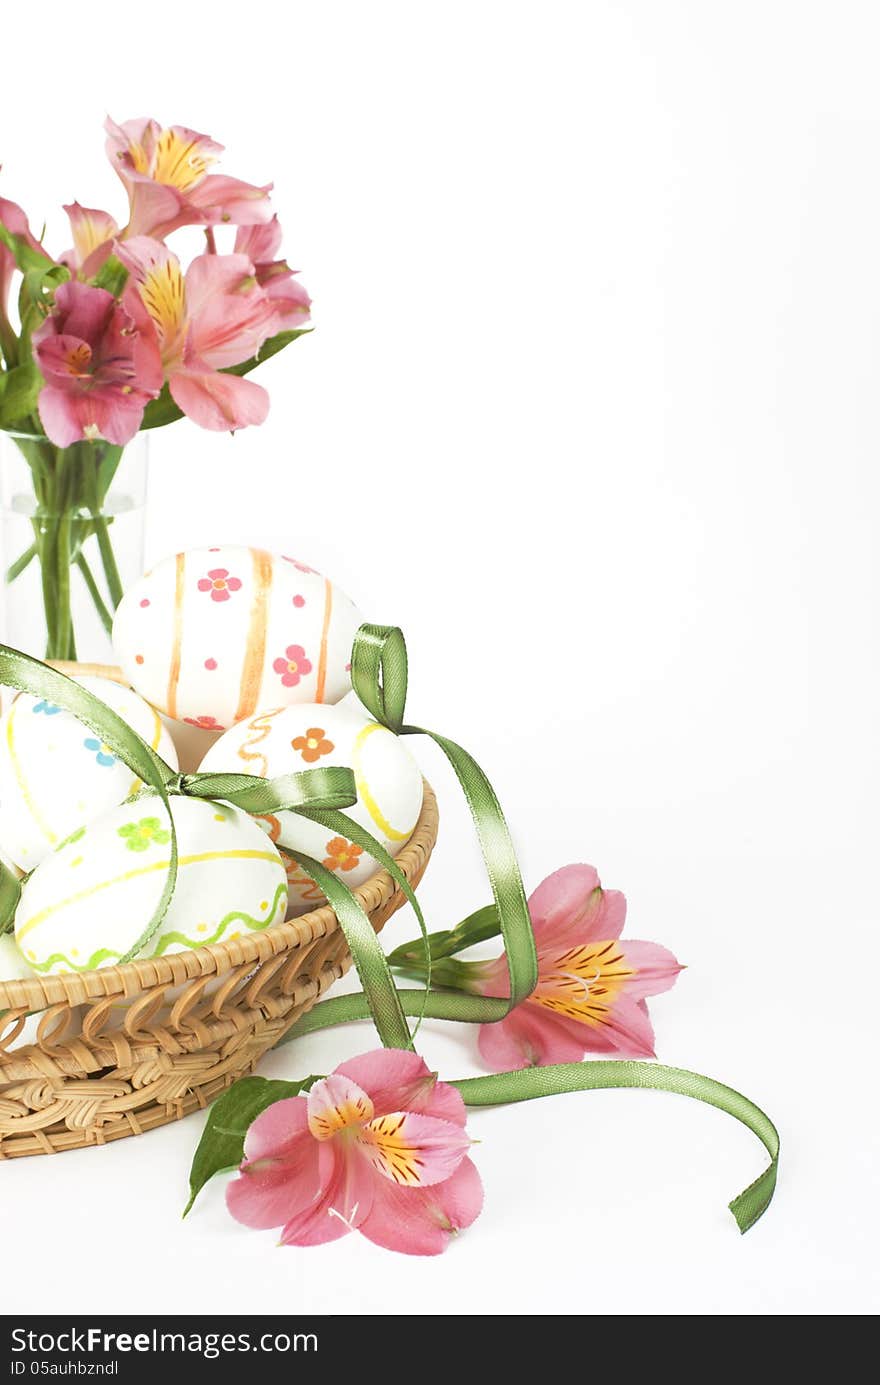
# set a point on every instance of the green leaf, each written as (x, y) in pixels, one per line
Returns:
(164, 410)
(19, 389)
(26, 258)
(36, 296)
(111, 276)
(222, 1144)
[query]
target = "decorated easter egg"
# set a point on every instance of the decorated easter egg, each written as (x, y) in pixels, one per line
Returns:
(286, 739)
(87, 903)
(56, 774)
(211, 636)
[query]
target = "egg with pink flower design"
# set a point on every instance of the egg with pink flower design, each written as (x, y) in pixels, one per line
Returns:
(212, 635)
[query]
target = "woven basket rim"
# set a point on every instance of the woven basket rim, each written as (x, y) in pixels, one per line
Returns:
(36, 993)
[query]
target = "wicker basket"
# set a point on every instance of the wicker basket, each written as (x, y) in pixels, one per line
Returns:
(193, 1022)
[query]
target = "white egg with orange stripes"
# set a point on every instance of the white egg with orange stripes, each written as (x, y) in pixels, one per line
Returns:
(87, 904)
(213, 635)
(283, 740)
(56, 774)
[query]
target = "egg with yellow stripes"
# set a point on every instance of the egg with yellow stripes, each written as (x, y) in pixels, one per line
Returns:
(56, 774)
(212, 635)
(87, 904)
(286, 739)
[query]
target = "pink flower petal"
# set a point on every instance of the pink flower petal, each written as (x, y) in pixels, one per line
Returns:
(205, 585)
(269, 1193)
(569, 907)
(217, 574)
(93, 230)
(84, 310)
(290, 300)
(345, 1198)
(59, 417)
(421, 1221)
(280, 1172)
(221, 595)
(280, 666)
(529, 1037)
(260, 243)
(413, 1150)
(276, 1130)
(656, 968)
(336, 1102)
(590, 1038)
(398, 1079)
(154, 209)
(628, 1027)
(67, 417)
(65, 360)
(222, 403)
(220, 198)
(116, 416)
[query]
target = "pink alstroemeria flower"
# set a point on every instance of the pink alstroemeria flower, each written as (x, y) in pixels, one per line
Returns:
(93, 234)
(379, 1147)
(216, 316)
(590, 996)
(165, 173)
(100, 371)
(261, 245)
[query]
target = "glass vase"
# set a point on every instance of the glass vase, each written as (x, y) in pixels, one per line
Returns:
(72, 521)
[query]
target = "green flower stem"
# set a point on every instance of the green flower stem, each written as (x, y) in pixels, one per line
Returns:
(92, 587)
(70, 487)
(448, 973)
(108, 557)
(91, 467)
(22, 562)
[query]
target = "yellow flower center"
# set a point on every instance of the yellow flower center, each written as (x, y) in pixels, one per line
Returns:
(178, 163)
(583, 983)
(163, 294)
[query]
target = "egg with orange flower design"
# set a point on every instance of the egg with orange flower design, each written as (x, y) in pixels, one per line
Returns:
(283, 740)
(212, 635)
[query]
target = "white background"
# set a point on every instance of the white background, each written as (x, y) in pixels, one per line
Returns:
(592, 412)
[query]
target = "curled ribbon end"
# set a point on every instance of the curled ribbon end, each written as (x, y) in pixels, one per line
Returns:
(752, 1203)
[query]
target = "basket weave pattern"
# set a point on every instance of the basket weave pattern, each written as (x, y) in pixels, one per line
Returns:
(123, 1049)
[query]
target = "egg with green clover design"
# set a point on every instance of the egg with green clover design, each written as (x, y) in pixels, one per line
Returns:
(284, 740)
(89, 902)
(56, 773)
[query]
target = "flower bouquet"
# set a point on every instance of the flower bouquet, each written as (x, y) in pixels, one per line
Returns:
(114, 337)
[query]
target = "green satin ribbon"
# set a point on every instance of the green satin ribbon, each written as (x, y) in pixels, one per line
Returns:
(379, 677)
(315, 793)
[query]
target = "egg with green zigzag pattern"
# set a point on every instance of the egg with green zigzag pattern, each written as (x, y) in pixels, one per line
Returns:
(89, 902)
